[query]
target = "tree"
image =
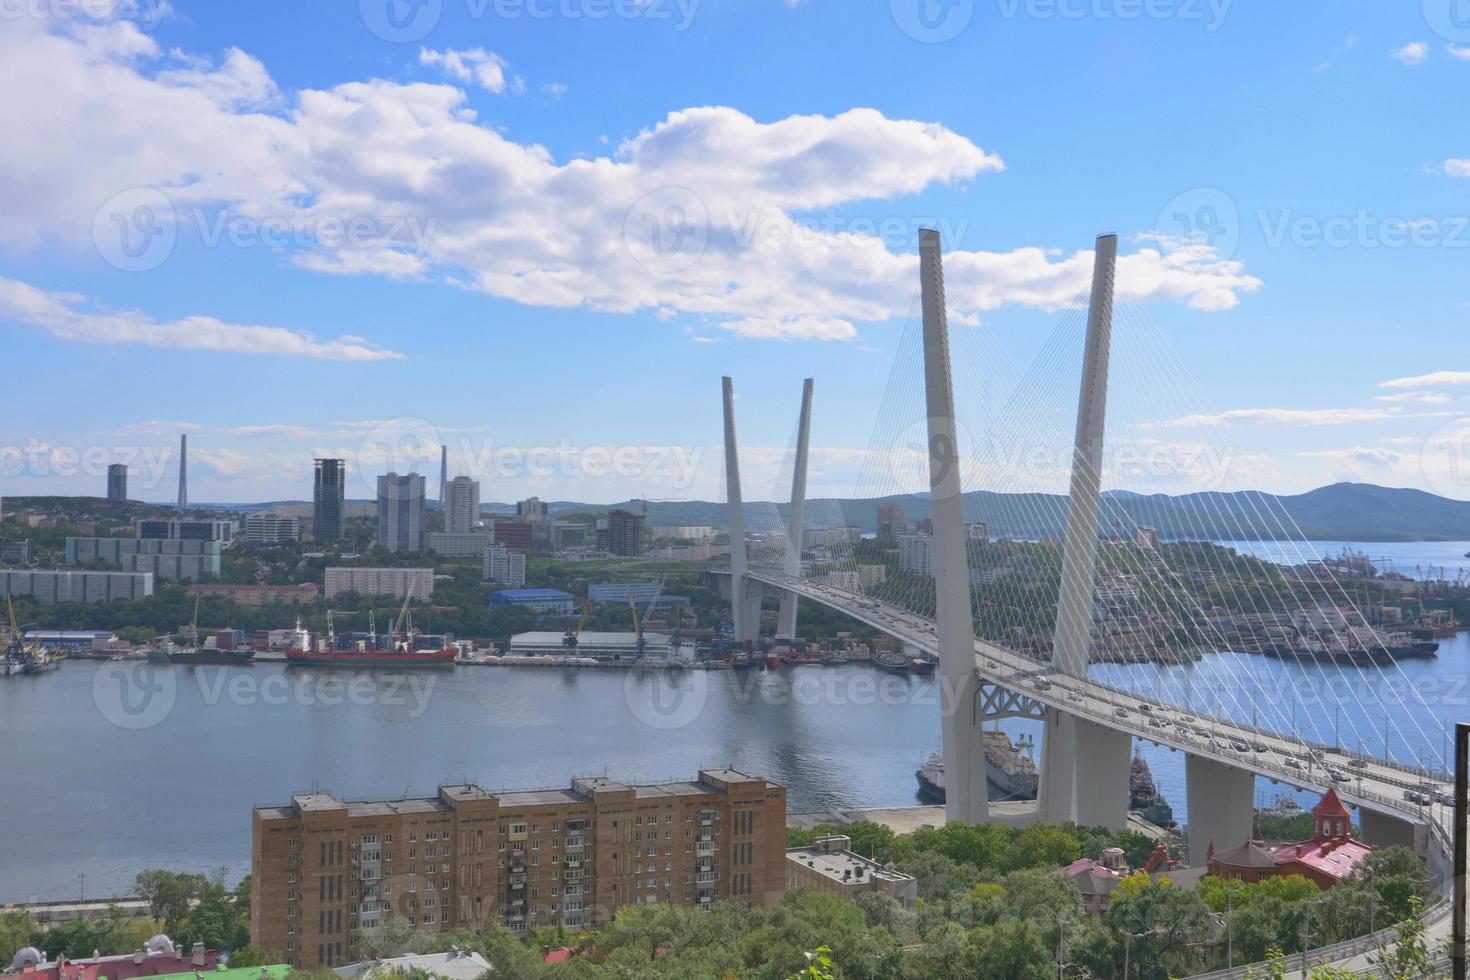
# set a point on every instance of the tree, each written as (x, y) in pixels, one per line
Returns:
(1010, 949)
(1399, 878)
(169, 894)
(15, 934)
(1408, 958)
(395, 937)
(253, 956)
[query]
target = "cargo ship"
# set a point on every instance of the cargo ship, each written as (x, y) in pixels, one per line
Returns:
(191, 656)
(401, 648)
(922, 666)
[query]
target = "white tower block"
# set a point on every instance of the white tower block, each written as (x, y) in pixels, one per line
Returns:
(964, 750)
(786, 620)
(1084, 773)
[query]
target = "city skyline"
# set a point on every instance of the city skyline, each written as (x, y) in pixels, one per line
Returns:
(1319, 252)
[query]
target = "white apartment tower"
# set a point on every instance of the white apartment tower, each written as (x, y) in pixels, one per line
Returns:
(461, 505)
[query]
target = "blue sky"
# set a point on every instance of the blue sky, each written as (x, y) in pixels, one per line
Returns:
(340, 233)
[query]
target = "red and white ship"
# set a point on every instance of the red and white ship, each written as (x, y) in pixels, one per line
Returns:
(397, 649)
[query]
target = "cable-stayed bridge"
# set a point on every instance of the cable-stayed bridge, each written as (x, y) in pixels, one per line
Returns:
(1084, 614)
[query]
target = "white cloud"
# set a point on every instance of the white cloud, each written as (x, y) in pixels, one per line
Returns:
(1459, 51)
(1364, 455)
(1457, 168)
(1412, 53)
(477, 65)
(67, 316)
(1294, 416)
(507, 218)
(1415, 397)
(1434, 379)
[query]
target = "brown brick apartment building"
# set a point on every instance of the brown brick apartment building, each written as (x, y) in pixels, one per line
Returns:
(323, 868)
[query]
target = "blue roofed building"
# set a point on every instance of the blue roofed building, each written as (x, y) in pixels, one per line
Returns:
(547, 602)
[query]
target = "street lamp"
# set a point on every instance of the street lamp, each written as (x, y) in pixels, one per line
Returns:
(1128, 938)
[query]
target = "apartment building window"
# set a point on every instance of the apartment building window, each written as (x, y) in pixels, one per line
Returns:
(290, 842)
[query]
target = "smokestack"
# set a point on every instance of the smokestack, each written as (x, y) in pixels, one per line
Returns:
(184, 471)
(443, 471)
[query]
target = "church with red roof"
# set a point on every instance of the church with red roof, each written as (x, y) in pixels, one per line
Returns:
(1331, 855)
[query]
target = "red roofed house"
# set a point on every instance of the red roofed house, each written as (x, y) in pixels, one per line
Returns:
(158, 957)
(1330, 856)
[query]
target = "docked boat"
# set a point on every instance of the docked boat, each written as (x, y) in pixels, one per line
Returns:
(20, 657)
(891, 661)
(1010, 772)
(194, 655)
(922, 666)
(401, 648)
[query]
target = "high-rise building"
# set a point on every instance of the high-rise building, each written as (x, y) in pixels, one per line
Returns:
(532, 509)
(176, 529)
(271, 529)
(890, 519)
(117, 482)
(329, 496)
(625, 533)
(401, 512)
(506, 566)
(49, 587)
(916, 554)
(400, 583)
(323, 868)
(443, 472)
(184, 471)
(461, 505)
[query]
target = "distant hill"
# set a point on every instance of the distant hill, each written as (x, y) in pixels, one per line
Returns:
(1343, 511)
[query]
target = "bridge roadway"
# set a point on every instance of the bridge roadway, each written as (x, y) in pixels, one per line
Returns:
(1373, 784)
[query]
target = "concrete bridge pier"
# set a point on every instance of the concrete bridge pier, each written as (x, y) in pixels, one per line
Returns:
(1084, 773)
(1221, 806)
(1383, 830)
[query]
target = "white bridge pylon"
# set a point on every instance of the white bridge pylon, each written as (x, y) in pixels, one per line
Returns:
(1089, 720)
(746, 593)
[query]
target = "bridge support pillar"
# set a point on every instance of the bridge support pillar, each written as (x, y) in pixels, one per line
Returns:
(1221, 806)
(1382, 830)
(795, 526)
(1084, 773)
(746, 627)
(966, 796)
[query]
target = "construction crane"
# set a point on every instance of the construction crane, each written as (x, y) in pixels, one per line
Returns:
(574, 637)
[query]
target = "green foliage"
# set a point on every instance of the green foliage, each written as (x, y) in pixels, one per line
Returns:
(251, 956)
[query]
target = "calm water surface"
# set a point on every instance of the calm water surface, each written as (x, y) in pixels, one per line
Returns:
(102, 780)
